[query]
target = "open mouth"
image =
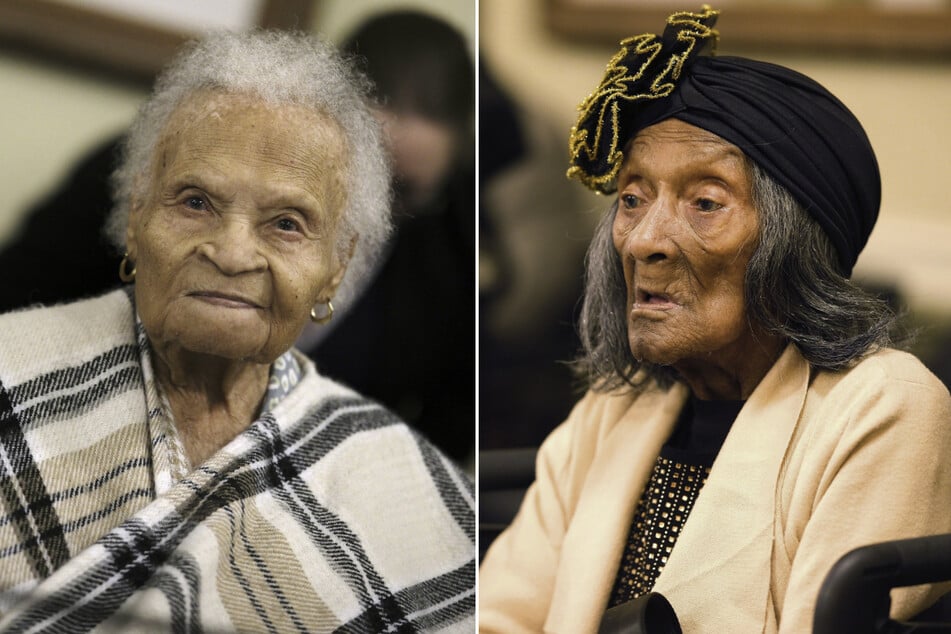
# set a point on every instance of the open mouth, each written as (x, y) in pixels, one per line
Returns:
(644, 299)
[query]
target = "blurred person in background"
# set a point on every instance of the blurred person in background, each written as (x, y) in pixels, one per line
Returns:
(409, 338)
(528, 287)
(44, 265)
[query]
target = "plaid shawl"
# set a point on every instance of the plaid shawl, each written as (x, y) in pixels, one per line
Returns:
(326, 514)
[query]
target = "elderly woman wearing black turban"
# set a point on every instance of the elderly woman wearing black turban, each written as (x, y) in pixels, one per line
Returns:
(747, 422)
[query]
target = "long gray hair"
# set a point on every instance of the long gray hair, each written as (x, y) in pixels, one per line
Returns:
(794, 287)
(280, 68)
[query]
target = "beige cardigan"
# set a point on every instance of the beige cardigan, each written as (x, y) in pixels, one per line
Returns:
(816, 464)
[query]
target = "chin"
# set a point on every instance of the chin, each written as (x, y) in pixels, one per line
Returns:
(654, 357)
(225, 347)
(648, 349)
(243, 341)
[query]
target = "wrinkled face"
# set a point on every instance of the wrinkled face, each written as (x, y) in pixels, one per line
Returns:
(685, 230)
(233, 239)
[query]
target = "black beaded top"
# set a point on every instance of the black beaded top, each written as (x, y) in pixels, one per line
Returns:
(679, 473)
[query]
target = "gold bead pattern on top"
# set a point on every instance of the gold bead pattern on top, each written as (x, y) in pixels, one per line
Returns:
(658, 519)
(595, 144)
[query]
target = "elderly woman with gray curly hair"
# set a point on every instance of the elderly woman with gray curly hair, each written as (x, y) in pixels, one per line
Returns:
(168, 461)
(748, 423)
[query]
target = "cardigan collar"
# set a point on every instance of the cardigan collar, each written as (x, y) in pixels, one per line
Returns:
(715, 570)
(720, 557)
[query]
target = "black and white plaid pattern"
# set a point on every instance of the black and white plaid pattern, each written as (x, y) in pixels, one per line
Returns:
(326, 514)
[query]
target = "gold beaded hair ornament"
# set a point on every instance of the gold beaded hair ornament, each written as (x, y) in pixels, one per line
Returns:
(784, 122)
(646, 69)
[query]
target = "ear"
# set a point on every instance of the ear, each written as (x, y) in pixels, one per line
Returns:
(342, 261)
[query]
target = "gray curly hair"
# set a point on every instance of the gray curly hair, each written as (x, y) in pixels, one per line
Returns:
(280, 68)
(794, 287)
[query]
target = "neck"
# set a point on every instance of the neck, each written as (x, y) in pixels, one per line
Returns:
(212, 399)
(732, 377)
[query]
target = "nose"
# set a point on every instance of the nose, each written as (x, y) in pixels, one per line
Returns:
(649, 235)
(233, 247)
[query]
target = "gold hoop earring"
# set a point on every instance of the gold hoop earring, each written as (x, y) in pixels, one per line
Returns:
(325, 318)
(126, 276)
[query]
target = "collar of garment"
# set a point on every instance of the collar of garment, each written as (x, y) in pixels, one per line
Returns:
(169, 461)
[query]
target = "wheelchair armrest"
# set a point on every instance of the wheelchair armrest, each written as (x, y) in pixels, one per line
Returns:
(855, 596)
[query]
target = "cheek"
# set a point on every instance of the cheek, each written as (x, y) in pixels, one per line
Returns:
(725, 308)
(728, 308)
(291, 292)
(618, 238)
(627, 272)
(155, 263)
(161, 242)
(620, 227)
(298, 282)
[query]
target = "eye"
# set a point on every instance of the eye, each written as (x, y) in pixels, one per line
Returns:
(196, 203)
(630, 201)
(289, 224)
(707, 205)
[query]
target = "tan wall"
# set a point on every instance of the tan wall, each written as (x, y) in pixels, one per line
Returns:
(903, 105)
(49, 117)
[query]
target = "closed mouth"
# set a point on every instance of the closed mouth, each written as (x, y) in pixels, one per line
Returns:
(230, 300)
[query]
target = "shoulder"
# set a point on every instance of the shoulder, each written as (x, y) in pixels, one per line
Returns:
(887, 375)
(94, 310)
(36, 339)
(591, 419)
(889, 365)
(887, 391)
(598, 414)
(346, 420)
(321, 401)
(402, 498)
(596, 424)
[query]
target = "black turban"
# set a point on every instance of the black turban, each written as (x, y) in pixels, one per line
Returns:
(786, 123)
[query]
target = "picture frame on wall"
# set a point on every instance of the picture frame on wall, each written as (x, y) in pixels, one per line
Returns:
(133, 38)
(890, 27)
